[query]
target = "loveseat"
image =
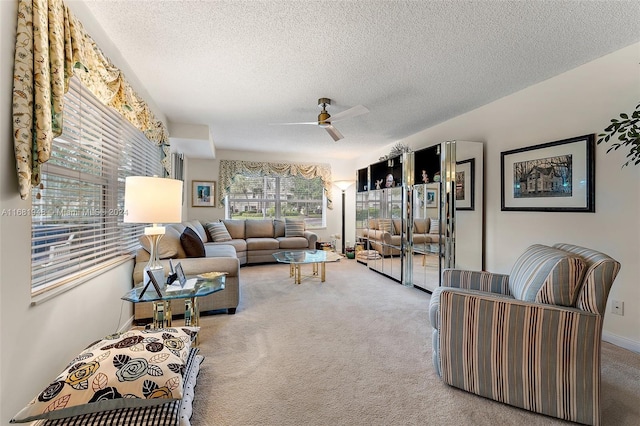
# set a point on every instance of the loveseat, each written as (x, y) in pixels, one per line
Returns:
(385, 234)
(220, 246)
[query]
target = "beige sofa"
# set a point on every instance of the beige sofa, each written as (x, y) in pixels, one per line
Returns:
(255, 241)
(252, 241)
(385, 235)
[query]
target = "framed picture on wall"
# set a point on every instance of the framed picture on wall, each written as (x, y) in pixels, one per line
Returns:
(203, 193)
(431, 198)
(551, 177)
(465, 180)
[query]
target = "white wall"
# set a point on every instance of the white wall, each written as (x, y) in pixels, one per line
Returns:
(36, 342)
(579, 102)
(200, 169)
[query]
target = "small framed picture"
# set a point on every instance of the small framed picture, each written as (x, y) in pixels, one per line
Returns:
(465, 171)
(152, 280)
(203, 193)
(182, 279)
(431, 198)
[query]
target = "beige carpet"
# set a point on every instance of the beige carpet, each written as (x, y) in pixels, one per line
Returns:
(354, 350)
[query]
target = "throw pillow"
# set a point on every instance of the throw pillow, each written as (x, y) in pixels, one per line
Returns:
(547, 275)
(191, 243)
(434, 226)
(385, 225)
(137, 368)
(218, 232)
(293, 227)
(278, 226)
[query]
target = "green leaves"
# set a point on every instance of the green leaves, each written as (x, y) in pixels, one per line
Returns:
(628, 134)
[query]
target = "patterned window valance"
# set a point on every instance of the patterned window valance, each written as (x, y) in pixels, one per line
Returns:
(231, 168)
(51, 47)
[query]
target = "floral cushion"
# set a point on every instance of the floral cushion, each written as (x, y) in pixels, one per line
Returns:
(137, 368)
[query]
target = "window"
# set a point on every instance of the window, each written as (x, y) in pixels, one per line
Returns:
(77, 210)
(277, 197)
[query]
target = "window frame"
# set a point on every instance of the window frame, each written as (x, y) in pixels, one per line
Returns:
(277, 200)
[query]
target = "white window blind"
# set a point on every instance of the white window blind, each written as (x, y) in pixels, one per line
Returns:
(277, 197)
(77, 211)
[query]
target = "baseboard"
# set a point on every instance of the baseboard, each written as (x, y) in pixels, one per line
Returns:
(623, 342)
(127, 325)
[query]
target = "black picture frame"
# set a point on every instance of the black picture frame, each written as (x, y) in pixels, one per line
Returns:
(182, 279)
(556, 176)
(152, 280)
(465, 184)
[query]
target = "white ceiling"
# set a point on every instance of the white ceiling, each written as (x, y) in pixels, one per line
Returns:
(238, 66)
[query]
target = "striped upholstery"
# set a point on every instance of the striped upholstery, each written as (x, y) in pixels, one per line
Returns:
(538, 356)
(546, 275)
(218, 232)
(293, 227)
(601, 271)
(385, 225)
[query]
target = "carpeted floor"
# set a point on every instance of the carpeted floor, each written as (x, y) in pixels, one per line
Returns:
(354, 350)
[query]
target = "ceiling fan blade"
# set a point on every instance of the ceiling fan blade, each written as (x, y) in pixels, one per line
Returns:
(349, 113)
(315, 123)
(335, 134)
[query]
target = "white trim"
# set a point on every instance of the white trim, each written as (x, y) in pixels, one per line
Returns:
(623, 342)
(49, 294)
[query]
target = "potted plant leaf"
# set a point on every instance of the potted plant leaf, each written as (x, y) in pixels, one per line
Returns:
(626, 132)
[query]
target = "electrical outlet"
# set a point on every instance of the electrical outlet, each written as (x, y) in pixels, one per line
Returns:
(617, 307)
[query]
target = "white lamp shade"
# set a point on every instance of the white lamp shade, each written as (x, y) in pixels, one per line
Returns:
(343, 184)
(152, 200)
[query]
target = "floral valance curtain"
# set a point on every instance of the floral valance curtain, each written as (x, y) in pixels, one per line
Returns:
(230, 168)
(51, 47)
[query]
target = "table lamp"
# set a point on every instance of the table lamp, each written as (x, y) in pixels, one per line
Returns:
(153, 200)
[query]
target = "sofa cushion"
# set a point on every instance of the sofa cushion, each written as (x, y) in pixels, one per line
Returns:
(220, 250)
(293, 227)
(235, 228)
(218, 232)
(137, 368)
(191, 243)
(373, 224)
(278, 228)
(261, 228)
(168, 246)
(293, 242)
(434, 226)
(421, 226)
(397, 226)
(262, 244)
(547, 275)
(197, 226)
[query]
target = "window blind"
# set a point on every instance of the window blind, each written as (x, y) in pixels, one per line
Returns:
(77, 211)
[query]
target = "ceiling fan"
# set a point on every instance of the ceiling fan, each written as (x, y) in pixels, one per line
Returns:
(325, 120)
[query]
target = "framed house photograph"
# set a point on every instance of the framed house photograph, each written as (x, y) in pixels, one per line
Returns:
(551, 177)
(465, 180)
(203, 193)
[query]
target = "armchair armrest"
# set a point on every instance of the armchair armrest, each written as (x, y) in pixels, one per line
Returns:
(476, 280)
(543, 358)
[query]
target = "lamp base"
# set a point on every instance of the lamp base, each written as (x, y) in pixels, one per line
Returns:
(158, 274)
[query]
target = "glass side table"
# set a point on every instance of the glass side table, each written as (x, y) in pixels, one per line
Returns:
(162, 304)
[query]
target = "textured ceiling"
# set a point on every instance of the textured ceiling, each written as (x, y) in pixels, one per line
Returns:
(238, 66)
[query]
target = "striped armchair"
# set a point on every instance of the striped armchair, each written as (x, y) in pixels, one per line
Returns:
(531, 338)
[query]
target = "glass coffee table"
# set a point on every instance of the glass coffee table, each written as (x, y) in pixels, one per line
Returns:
(162, 303)
(316, 258)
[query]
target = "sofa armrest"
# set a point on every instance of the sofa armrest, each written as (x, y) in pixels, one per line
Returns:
(312, 237)
(476, 280)
(382, 236)
(543, 358)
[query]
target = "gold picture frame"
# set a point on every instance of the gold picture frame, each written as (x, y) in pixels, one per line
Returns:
(203, 193)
